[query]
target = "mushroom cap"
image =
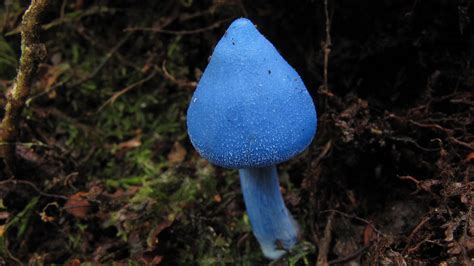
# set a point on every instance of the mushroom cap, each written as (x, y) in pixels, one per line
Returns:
(250, 109)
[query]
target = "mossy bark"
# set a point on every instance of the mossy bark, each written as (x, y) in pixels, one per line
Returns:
(32, 52)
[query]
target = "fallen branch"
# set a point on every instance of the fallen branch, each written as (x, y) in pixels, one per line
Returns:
(32, 52)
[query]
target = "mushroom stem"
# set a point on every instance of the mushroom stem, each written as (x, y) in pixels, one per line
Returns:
(272, 223)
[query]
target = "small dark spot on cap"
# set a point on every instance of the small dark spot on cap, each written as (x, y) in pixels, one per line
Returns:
(279, 244)
(269, 72)
(233, 43)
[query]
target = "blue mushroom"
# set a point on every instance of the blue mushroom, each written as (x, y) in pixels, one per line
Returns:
(251, 111)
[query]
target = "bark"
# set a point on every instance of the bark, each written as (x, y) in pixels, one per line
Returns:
(32, 52)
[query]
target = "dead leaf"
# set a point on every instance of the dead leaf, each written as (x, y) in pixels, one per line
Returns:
(156, 260)
(177, 154)
(130, 144)
(468, 244)
(369, 235)
(120, 193)
(150, 259)
(73, 262)
(146, 67)
(217, 198)
(77, 205)
(119, 149)
(470, 156)
(449, 232)
(454, 248)
(50, 78)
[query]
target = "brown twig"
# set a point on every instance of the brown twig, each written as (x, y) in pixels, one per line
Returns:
(67, 19)
(349, 257)
(415, 230)
(63, 9)
(104, 61)
(410, 140)
(105, 48)
(9, 254)
(174, 80)
(116, 95)
(466, 145)
(448, 132)
(325, 242)
(33, 186)
(179, 32)
(418, 245)
(355, 218)
(324, 151)
(32, 52)
(326, 47)
(189, 16)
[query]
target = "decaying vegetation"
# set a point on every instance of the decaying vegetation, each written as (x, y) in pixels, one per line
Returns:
(105, 171)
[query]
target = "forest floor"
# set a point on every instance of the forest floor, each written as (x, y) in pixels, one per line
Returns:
(106, 172)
